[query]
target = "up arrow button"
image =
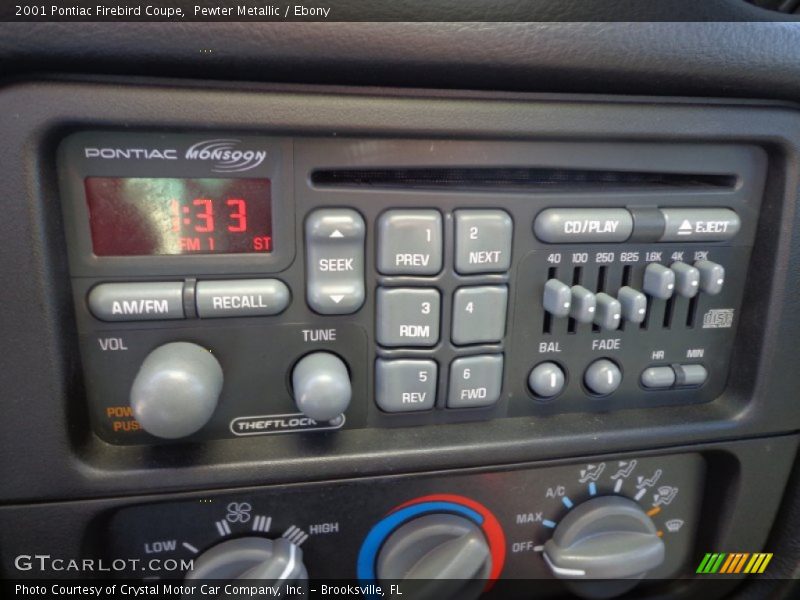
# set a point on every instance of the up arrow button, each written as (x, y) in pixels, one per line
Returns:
(335, 261)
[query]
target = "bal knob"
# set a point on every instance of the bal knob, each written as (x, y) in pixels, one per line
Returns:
(176, 390)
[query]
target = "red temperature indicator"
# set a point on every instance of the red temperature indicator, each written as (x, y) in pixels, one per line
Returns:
(136, 216)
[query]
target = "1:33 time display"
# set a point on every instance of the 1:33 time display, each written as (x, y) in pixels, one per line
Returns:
(201, 216)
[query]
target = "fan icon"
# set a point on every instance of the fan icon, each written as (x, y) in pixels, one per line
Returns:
(238, 512)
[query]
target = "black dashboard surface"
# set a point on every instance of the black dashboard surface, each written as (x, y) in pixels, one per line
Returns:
(721, 59)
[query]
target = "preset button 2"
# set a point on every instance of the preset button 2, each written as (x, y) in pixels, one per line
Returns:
(483, 241)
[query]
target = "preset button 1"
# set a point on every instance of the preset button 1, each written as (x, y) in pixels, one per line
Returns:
(410, 242)
(335, 261)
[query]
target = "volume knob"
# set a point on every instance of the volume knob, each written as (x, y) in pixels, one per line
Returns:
(176, 390)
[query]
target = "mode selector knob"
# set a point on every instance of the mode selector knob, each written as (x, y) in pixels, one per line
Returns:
(321, 385)
(603, 546)
(176, 390)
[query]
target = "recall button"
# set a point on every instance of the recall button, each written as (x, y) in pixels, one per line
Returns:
(241, 298)
(140, 301)
(699, 224)
(572, 225)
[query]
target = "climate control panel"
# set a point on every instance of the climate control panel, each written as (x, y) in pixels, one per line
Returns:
(303, 287)
(598, 528)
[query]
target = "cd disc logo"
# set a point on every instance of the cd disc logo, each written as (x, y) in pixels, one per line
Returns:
(227, 155)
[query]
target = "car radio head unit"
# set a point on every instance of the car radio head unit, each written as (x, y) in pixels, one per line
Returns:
(237, 285)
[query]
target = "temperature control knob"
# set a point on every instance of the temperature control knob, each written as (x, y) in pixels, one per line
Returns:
(447, 555)
(321, 386)
(176, 390)
(609, 539)
(274, 561)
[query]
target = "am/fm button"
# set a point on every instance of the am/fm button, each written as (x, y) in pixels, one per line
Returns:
(137, 301)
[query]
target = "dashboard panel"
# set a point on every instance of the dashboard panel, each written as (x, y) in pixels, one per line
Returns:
(377, 305)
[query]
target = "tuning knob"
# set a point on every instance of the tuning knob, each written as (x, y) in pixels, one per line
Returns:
(271, 561)
(440, 555)
(176, 390)
(321, 386)
(609, 542)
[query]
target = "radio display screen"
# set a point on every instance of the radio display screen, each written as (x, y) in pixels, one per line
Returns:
(143, 216)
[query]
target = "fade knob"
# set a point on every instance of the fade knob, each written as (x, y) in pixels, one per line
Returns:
(176, 390)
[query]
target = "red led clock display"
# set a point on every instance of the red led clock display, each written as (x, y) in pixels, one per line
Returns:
(137, 216)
